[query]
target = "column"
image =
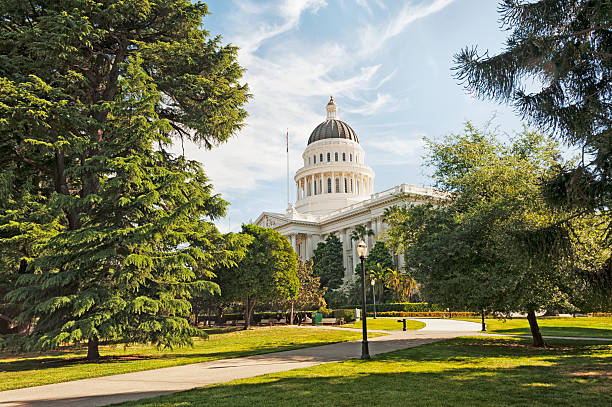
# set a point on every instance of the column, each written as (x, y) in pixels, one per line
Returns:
(333, 178)
(314, 182)
(293, 242)
(297, 191)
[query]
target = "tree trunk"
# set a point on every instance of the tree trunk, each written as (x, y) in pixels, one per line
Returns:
(93, 353)
(535, 329)
(247, 315)
(291, 317)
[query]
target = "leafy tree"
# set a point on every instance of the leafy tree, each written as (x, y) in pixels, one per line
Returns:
(113, 230)
(230, 249)
(496, 245)
(268, 272)
(328, 263)
(310, 293)
(564, 48)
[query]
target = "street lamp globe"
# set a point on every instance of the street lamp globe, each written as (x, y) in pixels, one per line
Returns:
(373, 281)
(362, 249)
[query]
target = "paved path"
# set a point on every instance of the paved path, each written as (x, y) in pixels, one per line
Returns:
(106, 390)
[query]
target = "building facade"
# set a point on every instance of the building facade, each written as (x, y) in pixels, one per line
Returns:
(335, 194)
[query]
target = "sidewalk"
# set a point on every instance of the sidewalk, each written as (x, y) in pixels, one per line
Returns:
(106, 390)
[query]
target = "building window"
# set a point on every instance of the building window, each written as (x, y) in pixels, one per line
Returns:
(328, 157)
(336, 156)
(345, 185)
(351, 157)
(357, 187)
(337, 186)
(321, 185)
(315, 187)
(329, 186)
(351, 185)
(308, 160)
(343, 156)
(314, 158)
(321, 157)
(309, 189)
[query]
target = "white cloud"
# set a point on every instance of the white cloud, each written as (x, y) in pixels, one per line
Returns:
(374, 36)
(402, 148)
(369, 108)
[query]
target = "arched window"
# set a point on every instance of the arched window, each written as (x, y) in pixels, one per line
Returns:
(345, 185)
(337, 186)
(336, 156)
(351, 185)
(321, 157)
(351, 157)
(343, 156)
(328, 157)
(329, 186)
(314, 158)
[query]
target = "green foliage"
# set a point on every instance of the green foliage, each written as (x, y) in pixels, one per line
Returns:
(565, 48)
(401, 306)
(328, 263)
(310, 292)
(349, 315)
(496, 245)
(111, 231)
(267, 273)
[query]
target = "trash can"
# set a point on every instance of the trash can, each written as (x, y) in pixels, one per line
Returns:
(318, 319)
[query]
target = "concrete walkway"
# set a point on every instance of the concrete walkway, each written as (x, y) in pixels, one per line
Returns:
(106, 390)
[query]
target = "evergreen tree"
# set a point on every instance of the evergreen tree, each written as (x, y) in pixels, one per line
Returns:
(565, 48)
(268, 272)
(114, 229)
(328, 263)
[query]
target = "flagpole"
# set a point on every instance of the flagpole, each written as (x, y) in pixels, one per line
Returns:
(288, 192)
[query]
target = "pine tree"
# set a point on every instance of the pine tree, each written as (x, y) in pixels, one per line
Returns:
(565, 48)
(328, 264)
(116, 230)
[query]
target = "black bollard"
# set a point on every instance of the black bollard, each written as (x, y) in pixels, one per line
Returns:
(404, 322)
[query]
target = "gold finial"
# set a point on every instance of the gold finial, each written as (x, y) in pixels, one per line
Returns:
(331, 101)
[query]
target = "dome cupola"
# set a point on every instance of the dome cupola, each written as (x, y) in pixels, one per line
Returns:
(332, 127)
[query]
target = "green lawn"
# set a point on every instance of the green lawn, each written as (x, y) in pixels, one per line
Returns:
(460, 372)
(54, 367)
(596, 327)
(387, 324)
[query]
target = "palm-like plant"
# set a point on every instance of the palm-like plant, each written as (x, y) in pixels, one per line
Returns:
(361, 232)
(402, 284)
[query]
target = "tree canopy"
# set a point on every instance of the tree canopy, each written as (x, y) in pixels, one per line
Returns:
(109, 231)
(268, 271)
(496, 245)
(562, 49)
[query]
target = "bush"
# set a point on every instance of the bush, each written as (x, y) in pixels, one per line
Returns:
(400, 307)
(428, 314)
(348, 314)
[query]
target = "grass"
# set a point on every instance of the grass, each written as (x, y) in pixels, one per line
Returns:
(387, 324)
(596, 327)
(461, 372)
(54, 367)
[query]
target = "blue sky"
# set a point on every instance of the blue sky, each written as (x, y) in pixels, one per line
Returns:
(388, 66)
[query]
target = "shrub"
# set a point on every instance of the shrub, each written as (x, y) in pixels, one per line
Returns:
(347, 314)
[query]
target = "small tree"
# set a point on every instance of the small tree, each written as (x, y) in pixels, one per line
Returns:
(268, 271)
(328, 264)
(310, 293)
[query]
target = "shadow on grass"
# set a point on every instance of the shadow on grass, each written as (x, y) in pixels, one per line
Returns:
(57, 361)
(561, 331)
(452, 373)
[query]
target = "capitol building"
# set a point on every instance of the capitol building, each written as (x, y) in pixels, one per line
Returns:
(335, 193)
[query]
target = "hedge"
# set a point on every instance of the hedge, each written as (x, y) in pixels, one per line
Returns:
(400, 306)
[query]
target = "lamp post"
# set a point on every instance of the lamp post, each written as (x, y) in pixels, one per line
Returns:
(362, 250)
(373, 282)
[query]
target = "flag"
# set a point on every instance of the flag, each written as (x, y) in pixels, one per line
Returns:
(287, 140)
